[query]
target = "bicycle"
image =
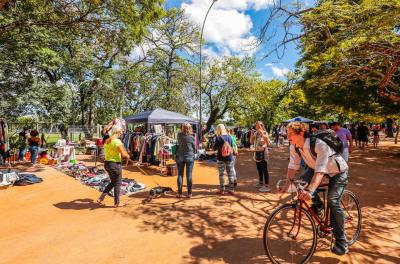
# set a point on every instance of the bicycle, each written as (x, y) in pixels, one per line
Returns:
(291, 238)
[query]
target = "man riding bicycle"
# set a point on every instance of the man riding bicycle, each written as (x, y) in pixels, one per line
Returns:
(326, 162)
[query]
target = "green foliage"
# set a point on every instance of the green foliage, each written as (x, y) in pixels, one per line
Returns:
(350, 56)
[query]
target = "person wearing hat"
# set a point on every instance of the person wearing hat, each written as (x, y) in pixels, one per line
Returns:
(114, 151)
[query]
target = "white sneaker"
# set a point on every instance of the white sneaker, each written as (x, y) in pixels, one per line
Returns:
(258, 185)
(264, 189)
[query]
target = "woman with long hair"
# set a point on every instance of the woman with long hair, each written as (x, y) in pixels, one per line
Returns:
(186, 150)
(260, 140)
(114, 151)
(224, 147)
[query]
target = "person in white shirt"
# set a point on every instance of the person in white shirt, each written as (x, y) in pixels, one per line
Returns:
(327, 162)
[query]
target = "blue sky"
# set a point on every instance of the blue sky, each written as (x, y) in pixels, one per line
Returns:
(234, 24)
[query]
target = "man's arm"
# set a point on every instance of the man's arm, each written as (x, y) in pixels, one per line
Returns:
(316, 181)
(350, 139)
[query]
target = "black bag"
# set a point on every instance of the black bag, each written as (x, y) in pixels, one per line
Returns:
(259, 156)
(329, 137)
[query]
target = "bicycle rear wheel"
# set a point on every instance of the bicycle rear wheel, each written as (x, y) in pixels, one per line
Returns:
(352, 216)
(279, 243)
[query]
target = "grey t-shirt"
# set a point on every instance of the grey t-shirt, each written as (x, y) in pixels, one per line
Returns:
(186, 147)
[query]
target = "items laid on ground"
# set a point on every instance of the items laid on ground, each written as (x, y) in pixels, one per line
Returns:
(27, 179)
(97, 178)
(13, 177)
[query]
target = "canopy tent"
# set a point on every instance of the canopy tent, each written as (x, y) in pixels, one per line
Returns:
(160, 116)
(298, 119)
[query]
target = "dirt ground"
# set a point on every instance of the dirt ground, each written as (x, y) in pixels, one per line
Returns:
(57, 220)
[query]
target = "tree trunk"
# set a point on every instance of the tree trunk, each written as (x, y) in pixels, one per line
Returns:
(212, 118)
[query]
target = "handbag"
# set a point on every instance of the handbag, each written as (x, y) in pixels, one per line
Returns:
(259, 156)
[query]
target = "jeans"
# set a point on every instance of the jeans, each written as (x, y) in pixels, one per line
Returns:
(34, 152)
(189, 169)
(336, 187)
(228, 165)
(345, 154)
(22, 152)
(263, 174)
(114, 170)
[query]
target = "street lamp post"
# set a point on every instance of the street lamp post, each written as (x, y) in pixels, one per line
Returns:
(201, 66)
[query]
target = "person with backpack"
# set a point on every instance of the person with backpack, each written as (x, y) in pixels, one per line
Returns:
(322, 153)
(260, 140)
(224, 147)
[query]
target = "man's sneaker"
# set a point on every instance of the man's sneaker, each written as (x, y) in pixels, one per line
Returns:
(258, 185)
(340, 250)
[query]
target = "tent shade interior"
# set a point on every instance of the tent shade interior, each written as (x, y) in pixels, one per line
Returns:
(299, 119)
(160, 116)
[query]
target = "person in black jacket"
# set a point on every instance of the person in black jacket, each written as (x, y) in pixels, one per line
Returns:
(186, 150)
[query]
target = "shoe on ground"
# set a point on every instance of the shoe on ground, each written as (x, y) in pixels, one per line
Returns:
(189, 195)
(264, 189)
(258, 185)
(220, 192)
(231, 192)
(340, 250)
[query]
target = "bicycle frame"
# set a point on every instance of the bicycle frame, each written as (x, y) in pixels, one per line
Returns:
(302, 205)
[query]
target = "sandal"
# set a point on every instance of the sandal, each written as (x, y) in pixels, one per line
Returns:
(119, 205)
(179, 195)
(189, 195)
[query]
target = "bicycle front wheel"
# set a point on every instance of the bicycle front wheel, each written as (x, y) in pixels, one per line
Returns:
(352, 216)
(281, 243)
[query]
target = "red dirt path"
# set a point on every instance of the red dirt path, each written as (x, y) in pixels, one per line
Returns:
(57, 221)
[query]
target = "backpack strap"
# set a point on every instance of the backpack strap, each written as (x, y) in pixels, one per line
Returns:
(297, 151)
(313, 140)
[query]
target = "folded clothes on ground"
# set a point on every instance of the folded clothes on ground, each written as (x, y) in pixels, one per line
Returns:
(27, 179)
(98, 178)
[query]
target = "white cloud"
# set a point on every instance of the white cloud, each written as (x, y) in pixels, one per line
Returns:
(227, 26)
(278, 71)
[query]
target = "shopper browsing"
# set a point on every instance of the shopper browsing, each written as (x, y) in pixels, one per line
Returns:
(185, 157)
(114, 151)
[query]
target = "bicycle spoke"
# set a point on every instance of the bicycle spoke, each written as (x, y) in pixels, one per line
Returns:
(282, 244)
(352, 216)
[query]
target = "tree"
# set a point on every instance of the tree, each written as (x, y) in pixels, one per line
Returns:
(353, 49)
(47, 47)
(224, 82)
(350, 49)
(270, 102)
(172, 45)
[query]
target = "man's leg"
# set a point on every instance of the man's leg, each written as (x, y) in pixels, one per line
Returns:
(336, 188)
(345, 154)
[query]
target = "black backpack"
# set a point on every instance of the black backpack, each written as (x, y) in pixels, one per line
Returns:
(329, 137)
